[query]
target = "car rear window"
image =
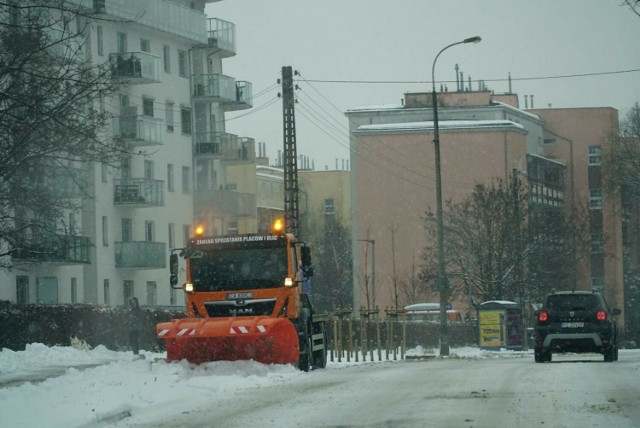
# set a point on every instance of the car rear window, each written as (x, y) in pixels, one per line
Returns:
(572, 302)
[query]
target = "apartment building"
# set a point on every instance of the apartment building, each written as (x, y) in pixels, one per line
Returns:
(166, 57)
(483, 136)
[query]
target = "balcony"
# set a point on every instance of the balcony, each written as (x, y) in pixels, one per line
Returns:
(244, 97)
(227, 203)
(215, 88)
(58, 249)
(138, 130)
(138, 192)
(226, 147)
(135, 67)
(159, 15)
(141, 255)
(221, 36)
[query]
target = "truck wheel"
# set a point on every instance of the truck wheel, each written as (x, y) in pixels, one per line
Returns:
(320, 356)
(306, 357)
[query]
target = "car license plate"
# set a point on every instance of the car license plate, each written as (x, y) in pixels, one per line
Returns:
(572, 324)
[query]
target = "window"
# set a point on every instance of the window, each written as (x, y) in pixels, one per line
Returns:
(22, 290)
(166, 50)
(107, 294)
(170, 178)
(549, 141)
(151, 293)
(149, 169)
(72, 224)
(168, 108)
(122, 42)
(103, 172)
(329, 207)
(127, 230)
(147, 107)
(185, 119)
(100, 40)
(127, 291)
(149, 227)
(105, 231)
(186, 179)
(597, 245)
(125, 167)
(74, 290)
(595, 155)
(182, 63)
(172, 235)
(145, 45)
(232, 228)
(595, 199)
(47, 290)
(186, 232)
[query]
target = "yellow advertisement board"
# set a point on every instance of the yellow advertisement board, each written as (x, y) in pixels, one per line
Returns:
(491, 328)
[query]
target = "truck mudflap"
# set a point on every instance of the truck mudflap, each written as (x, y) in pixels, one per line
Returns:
(263, 339)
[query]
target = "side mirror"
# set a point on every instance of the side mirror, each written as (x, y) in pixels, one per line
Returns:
(173, 269)
(305, 255)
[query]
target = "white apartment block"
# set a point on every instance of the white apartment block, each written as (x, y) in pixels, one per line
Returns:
(172, 96)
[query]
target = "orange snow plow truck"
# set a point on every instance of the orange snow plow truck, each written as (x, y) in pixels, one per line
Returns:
(247, 297)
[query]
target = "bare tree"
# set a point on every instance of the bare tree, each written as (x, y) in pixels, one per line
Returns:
(333, 279)
(634, 5)
(494, 235)
(50, 123)
(413, 288)
(395, 280)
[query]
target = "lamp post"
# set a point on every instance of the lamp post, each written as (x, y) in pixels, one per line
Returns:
(442, 283)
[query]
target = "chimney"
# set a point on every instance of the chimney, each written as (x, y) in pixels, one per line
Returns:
(531, 100)
(510, 83)
(526, 101)
(457, 81)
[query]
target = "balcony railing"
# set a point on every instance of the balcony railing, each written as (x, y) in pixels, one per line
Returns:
(160, 15)
(141, 254)
(222, 36)
(139, 130)
(139, 192)
(227, 203)
(218, 144)
(226, 147)
(135, 67)
(243, 99)
(216, 88)
(60, 249)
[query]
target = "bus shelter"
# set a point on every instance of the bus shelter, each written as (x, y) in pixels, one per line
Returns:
(500, 325)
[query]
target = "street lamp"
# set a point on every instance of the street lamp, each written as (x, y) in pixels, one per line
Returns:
(442, 283)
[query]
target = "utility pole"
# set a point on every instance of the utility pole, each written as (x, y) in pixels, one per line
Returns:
(291, 209)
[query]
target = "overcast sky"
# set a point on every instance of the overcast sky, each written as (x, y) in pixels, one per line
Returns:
(396, 41)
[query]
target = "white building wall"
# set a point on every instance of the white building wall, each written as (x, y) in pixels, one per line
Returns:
(176, 149)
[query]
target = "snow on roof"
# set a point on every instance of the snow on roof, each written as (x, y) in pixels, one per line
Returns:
(516, 110)
(442, 125)
(376, 107)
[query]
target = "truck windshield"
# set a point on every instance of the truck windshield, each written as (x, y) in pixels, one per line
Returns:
(239, 269)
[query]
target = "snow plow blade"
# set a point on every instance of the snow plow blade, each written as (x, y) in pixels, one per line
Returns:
(263, 339)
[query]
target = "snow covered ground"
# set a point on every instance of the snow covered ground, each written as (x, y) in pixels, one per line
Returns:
(80, 387)
(70, 387)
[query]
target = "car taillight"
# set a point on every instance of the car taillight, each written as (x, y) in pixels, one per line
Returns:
(543, 316)
(601, 315)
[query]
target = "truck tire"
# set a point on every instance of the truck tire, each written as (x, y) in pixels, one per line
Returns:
(320, 356)
(306, 356)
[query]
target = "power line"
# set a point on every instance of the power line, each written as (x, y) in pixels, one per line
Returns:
(405, 82)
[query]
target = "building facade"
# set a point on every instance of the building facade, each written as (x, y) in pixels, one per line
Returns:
(483, 136)
(182, 168)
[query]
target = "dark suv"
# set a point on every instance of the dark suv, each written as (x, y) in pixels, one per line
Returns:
(575, 321)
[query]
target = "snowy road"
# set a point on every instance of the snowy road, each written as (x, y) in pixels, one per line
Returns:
(103, 388)
(573, 391)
